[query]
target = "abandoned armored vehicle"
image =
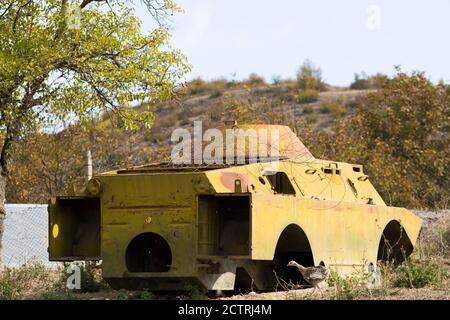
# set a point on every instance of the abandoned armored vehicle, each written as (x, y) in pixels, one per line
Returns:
(237, 223)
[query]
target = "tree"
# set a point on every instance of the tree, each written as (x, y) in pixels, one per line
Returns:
(309, 77)
(47, 164)
(401, 135)
(62, 62)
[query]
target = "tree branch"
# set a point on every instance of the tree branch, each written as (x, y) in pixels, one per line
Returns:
(5, 153)
(7, 9)
(86, 2)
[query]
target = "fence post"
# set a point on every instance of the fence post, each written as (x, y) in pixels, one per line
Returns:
(88, 165)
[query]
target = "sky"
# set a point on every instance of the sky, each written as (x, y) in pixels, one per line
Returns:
(233, 38)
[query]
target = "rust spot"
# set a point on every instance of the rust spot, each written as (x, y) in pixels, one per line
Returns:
(228, 180)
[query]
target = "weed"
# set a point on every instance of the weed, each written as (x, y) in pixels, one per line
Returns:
(417, 274)
(122, 294)
(348, 287)
(15, 283)
(147, 295)
(333, 107)
(215, 94)
(307, 96)
(196, 292)
(90, 278)
(308, 110)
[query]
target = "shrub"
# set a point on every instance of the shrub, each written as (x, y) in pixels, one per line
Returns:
(332, 107)
(196, 292)
(348, 287)
(446, 240)
(15, 283)
(399, 129)
(325, 108)
(276, 79)
(417, 274)
(309, 77)
(91, 280)
(197, 86)
(312, 118)
(214, 87)
(307, 96)
(363, 82)
(216, 94)
(254, 80)
(122, 294)
(147, 295)
(308, 110)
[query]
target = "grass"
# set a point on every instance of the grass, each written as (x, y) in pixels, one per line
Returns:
(90, 277)
(195, 292)
(307, 96)
(332, 107)
(422, 275)
(147, 295)
(16, 283)
(122, 294)
(417, 274)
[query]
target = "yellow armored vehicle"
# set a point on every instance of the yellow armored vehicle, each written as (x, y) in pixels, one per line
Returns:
(237, 223)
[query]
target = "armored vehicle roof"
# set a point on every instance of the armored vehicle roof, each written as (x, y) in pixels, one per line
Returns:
(272, 142)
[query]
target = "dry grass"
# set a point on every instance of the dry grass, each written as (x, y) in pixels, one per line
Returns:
(425, 275)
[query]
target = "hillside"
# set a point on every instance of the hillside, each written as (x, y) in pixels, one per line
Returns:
(378, 128)
(274, 104)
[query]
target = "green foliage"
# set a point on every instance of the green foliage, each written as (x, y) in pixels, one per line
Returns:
(54, 71)
(147, 295)
(309, 77)
(417, 274)
(254, 80)
(122, 294)
(215, 88)
(276, 79)
(197, 86)
(216, 94)
(363, 81)
(91, 280)
(400, 134)
(49, 164)
(307, 96)
(336, 108)
(348, 287)
(15, 283)
(195, 292)
(446, 239)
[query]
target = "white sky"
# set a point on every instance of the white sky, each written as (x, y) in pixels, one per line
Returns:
(232, 38)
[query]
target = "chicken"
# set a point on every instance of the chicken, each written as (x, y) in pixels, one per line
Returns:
(313, 275)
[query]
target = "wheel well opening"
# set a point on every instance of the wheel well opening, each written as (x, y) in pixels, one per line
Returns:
(293, 244)
(148, 252)
(243, 282)
(395, 245)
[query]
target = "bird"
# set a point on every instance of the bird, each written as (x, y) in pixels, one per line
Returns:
(313, 275)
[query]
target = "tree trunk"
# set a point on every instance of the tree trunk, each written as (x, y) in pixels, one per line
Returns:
(2, 212)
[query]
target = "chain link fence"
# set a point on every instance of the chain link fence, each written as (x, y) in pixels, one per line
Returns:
(26, 235)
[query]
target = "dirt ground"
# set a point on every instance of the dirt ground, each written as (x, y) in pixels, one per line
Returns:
(308, 294)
